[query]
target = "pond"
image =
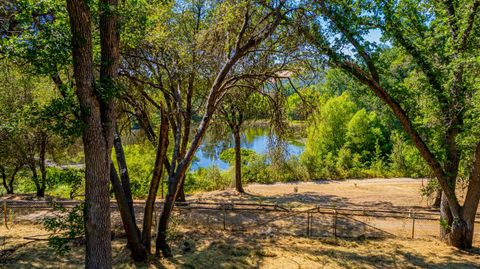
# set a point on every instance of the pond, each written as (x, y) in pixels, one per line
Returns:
(255, 138)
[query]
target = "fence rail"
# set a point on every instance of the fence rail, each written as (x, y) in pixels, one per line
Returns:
(248, 216)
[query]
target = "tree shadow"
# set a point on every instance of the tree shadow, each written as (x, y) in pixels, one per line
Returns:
(305, 198)
(220, 250)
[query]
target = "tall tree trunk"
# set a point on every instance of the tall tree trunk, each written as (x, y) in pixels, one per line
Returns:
(125, 177)
(181, 192)
(7, 185)
(4, 178)
(472, 198)
(161, 240)
(137, 249)
(238, 160)
(438, 198)
(36, 181)
(97, 138)
(155, 182)
(12, 179)
(43, 170)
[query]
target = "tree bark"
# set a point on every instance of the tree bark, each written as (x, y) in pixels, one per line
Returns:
(181, 192)
(97, 135)
(8, 184)
(137, 250)
(161, 244)
(12, 179)
(125, 177)
(43, 170)
(238, 160)
(155, 182)
(36, 181)
(217, 91)
(453, 231)
(438, 198)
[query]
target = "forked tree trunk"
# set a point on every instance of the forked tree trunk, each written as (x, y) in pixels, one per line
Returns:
(8, 184)
(459, 232)
(177, 176)
(124, 199)
(98, 118)
(238, 161)
(454, 232)
(181, 192)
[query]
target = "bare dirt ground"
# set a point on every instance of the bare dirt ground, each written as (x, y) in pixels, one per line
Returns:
(377, 192)
(213, 247)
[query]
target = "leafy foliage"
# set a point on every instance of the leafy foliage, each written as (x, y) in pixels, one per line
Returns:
(67, 225)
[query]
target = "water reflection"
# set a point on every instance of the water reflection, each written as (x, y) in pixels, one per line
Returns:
(256, 139)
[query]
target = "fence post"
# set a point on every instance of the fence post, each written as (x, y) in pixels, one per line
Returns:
(335, 224)
(224, 216)
(413, 225)
(364, 222)
(308, 223)
(5, 214)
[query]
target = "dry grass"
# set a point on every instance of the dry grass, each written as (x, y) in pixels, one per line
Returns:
(214, 248)
(218, 249)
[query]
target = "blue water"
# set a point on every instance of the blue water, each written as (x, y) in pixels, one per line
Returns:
(207, 154)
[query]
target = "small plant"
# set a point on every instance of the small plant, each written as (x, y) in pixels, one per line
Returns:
(67, 225)
(444, 224)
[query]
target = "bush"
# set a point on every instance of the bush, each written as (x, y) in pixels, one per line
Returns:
(406, 160)
(66, 182)
(207, 179)
(67, 226)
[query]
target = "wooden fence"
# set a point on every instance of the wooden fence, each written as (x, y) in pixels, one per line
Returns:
(321, 220)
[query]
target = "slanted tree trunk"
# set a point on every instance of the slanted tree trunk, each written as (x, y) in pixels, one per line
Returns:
(12, 179)
(137, 249)
(161, 240)
(238, 160)
(124, 199)
(217, 91)
(125, 177)
(155, 182)
(457, 219)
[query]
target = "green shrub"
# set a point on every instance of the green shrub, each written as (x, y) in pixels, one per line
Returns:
(66, 226)
(207, 179)
(66, 182)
